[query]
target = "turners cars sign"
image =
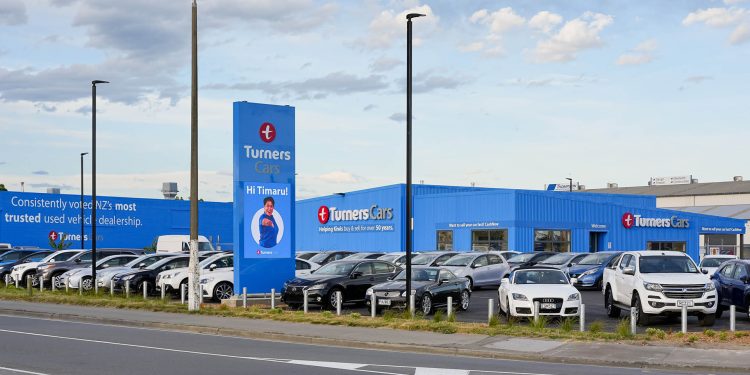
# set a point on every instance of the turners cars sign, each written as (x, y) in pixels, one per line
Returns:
(326, 214)
(630, 220)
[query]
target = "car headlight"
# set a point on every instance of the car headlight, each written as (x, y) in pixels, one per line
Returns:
(74, 272)
(574, 297)
(652, 287)
(368, 292)
(317, 287)
(519, 297)
(710, 287)
(413, 291)
(589, 272)
(207, 280)
(128, 277)
(167, 276)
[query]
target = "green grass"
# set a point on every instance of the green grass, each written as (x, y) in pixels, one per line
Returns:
(596, 327)
(623, 328)
(566, 324)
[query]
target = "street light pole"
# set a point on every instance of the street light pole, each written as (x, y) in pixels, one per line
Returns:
(93, 179)
(570, 184)
(194, 294)
(409, 220)
(83, 221)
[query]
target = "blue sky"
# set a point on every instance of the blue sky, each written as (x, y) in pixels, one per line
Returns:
(507, 94)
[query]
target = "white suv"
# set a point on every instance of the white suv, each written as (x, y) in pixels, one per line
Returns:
(658, 283)
(173, 279)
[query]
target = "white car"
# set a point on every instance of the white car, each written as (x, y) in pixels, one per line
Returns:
(548, 286)
(82, 275)
(22, 271)
(173, 279)
(479, 268)
(711, 263)
(218, 285)
(104, 278)
(304, 267)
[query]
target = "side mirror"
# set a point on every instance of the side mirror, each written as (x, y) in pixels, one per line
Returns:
(570, 264)
(355, 274)
(52, 261)
(573, 281)
(105, 266)
(505, 281)
(745, 279)
(212, 267)
(391, 277)
(142, 265)
(78, 260)
(629, 271)
(705, 272)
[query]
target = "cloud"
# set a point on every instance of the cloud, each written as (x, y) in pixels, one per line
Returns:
(306, 65)
(389, 26)
(545, 21)
(698, 79)
(498, 23)
(720, 18)
(40, 173)
(340, 177)
(44, 185)
(3, 163)
(338, 83)
(45, 107)
(385, 64)
(398, 117)
(369, 107)
(560, 80)
(286, 17)
(85, 110)
(574, 36)
(426, 82)
(13, 12)
(641, 54)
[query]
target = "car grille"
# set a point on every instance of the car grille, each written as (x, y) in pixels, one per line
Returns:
(687, 291)
(293, 289)
(388, 293)
(557, 301)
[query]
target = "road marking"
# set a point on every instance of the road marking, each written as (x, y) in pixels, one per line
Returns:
(22, 371)
(358, 367)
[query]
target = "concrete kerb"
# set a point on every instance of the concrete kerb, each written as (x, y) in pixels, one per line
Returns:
(302, 339)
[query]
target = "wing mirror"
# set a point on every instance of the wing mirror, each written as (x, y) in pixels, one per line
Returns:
(78, 260)
(570, 264)
(573, 281)
(505, 281)
(745, 279)
(212, 267)
(142, 266)
(704, 271)
(355, 274)
(629, 271)
(105, 266)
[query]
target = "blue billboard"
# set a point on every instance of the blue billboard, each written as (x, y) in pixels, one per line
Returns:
(263, 196)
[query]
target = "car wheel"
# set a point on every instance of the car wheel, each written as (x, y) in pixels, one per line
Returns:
(463, 303)
(57, 281)
(86, 283)
(471, 282)
(331, 298)
(223, 290)
(426, 304)
(719, 312)
(294, 306)
(641, 318)
(183, 286)
(707, 320)
(34, 280)
(609, 303)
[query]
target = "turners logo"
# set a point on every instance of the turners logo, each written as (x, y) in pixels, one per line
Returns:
(267, 132)
(323, 214)
(629, 220)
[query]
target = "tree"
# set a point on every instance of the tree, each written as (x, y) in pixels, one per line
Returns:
(62, 245)
(2, 187)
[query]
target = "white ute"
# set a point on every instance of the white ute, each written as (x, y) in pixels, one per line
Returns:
(658, 283)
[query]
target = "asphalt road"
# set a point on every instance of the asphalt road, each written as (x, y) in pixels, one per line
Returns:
(42, 346)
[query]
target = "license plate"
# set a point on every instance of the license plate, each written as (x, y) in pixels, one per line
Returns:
(384, 302)
(684, 302)
(548, 306)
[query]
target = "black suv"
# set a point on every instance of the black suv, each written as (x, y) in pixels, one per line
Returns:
(351, 277)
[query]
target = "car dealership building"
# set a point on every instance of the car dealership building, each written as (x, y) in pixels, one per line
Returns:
(469, 218)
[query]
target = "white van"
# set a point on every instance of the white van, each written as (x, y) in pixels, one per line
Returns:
(177, 243)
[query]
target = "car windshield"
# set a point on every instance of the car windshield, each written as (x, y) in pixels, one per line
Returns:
(595, 259)
(667, 264)
(13, 255)
(111, 261)
(422, 259)
(59, 257)
(320, 258)
(460, 260)
(146, 259)
(521, 258)
(540, 277)
(419, 275)
(336, 269)
(305, 256)
(359, 256)
(390, 258)
(160, 263)
(713, 262)
(558, 259)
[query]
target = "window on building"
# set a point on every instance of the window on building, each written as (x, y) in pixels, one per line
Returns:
(663, 245)
(720, 244)
(489, 240)
(445, 240)
(552, 240)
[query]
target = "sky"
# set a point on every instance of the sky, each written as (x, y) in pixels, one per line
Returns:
(513, 94)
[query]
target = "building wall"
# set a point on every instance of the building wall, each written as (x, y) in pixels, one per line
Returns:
(703, 200)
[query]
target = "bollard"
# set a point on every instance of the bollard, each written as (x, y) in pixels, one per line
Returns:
(96, 286)
(41, 284)
(582, 318)
(412, 305)
(490, 310)
(732, 313)
(450, 307)
(183, 290)
(67, 288)
(373, 305)
(244, 297)
(80, 290)
(304, 302)
(145, 289)
(273, 299)
(17, 283)
(28, 285)
(536, 311)
(7, 279)
(633, 320)
(53, 283)
(111, 288)
(338, 302)
(127, 288)
(163, 292)
(684, 319)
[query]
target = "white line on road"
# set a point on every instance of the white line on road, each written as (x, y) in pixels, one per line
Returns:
(21, 371)
(358, 367)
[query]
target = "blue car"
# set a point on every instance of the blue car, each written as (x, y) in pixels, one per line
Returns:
(732, 281)
(589, 270)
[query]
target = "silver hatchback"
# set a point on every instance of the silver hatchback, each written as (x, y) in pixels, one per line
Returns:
(480, 269)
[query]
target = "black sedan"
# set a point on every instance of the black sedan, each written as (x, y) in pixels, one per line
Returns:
(138, 277)
(528, 259)
(431, 285)
(350, 277)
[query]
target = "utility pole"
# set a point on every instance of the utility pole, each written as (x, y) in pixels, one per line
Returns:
(194, 294)
(83, 220)
(93, 179)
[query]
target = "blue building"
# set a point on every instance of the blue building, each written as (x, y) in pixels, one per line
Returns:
(467, 218)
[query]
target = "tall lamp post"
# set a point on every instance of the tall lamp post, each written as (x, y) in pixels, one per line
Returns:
(570, 184)
(409, 220)
(93, 179)
(83, 221)
(194, 294)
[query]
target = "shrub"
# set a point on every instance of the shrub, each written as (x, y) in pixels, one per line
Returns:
(692, 338)
(655, 332)
(723, 336)
(388, 315)
(566, 325)
(540, 323)
(494, 321)
(709, 333)
(623, 328)
(438, 317)
(739, 335)
(596, 327)
(326, 314)
(452, 317)
(355, 315)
